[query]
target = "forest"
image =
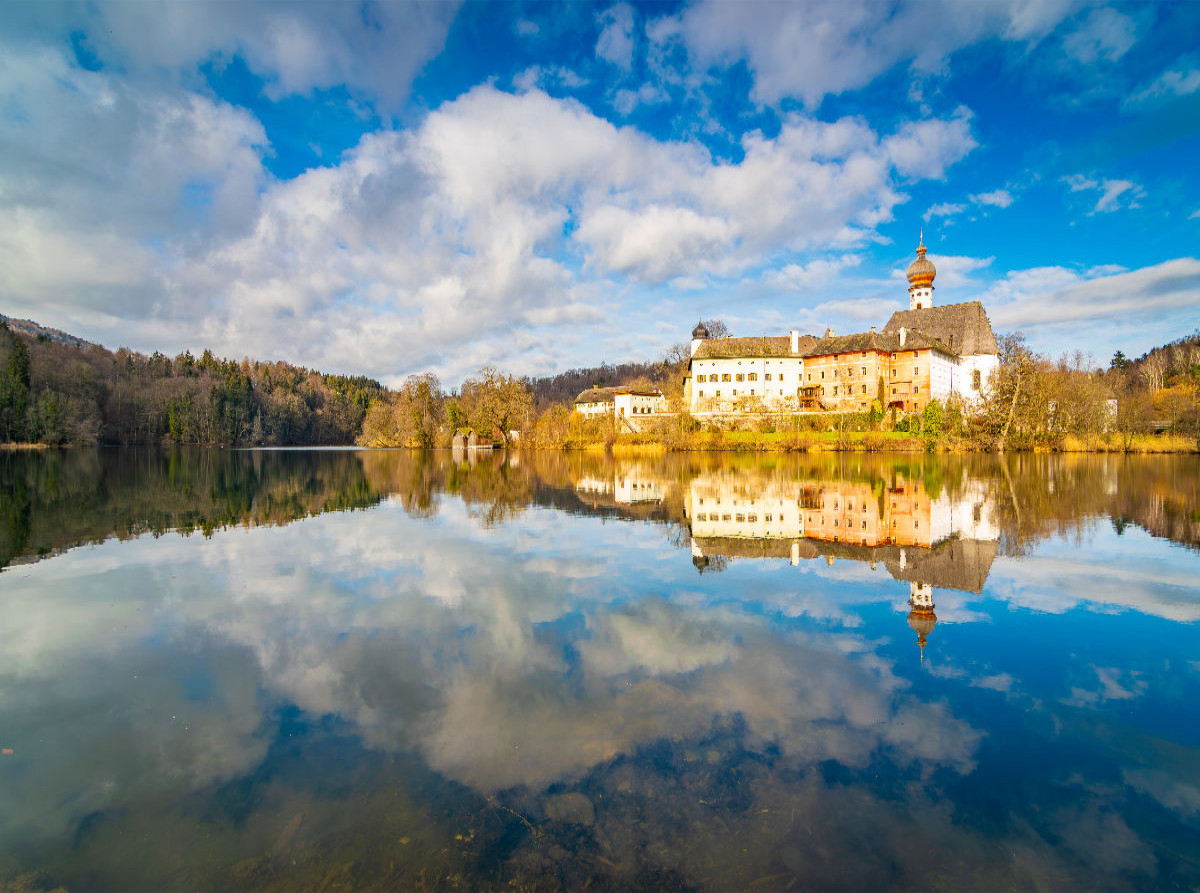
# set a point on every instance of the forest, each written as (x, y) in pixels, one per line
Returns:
(57, 389)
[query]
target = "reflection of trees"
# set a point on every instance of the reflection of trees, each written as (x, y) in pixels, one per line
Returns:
(53, 500)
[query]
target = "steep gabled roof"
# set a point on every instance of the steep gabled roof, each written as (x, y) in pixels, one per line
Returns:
(963, 327)
(764, 346)
(887, 343)
(597, 395)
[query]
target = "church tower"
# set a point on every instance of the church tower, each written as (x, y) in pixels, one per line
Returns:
(921, 618)
(920, 279)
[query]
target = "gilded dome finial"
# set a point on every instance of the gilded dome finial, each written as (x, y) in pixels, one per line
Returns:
(921, 271)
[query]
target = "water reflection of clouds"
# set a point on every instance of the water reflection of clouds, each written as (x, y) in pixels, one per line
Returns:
(420, 633)
(1151, 577)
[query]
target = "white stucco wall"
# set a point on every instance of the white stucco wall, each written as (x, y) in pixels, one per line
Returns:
(943, 371)
(786, 374)
(964, 377)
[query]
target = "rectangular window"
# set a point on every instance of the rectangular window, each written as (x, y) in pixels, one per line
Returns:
(702, 392)
(753, 519)
(864, 368)
(916, 388)
(724, 517)
(916, 370)
(914, 354)
(767, 377)
(740, 519)
(725, 377)
(741, 377)
(752, 392)
(976, 379)
(718, 392)
(893, 392)
(864, 389)
(735, 392)
(822, 375)
(700, 379)
(753, 376)
(893, 373)
(835, 390)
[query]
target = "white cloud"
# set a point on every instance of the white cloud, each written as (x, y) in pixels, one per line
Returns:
(373, 49)
(1195, 215)
(1182, 79)
(1105, 34)
(943, 209)
(1056, 295)
(526, 28)
(924, 149)
(625, 100)
(457, 243)
(548, 78)
(998, 198)
(813, 49)
(803, 277)
(1111, 192)
(615, 43)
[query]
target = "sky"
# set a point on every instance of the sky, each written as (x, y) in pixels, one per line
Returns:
(394, 188)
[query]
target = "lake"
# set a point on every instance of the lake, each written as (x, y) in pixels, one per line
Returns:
(359, 670)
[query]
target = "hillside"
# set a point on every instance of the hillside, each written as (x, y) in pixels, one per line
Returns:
(57, 389)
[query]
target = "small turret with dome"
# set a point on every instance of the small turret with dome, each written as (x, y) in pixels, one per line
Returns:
(921, 618)
(699, 334)
(921, 273)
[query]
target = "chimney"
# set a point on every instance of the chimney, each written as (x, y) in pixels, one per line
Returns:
(872, 330)
(795, 341)
(829, 333)
(903, 335)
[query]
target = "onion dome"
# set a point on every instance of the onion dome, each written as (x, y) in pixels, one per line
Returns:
(921, 271)
(922, 623)
(700, 332)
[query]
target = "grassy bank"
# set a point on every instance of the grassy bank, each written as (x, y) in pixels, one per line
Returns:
(654, 443)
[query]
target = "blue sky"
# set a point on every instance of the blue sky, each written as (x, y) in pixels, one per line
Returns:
(395, 188)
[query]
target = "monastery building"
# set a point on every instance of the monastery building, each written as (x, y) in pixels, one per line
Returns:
(923, 353)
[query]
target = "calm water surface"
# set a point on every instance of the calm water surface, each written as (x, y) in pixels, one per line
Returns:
(382, 670)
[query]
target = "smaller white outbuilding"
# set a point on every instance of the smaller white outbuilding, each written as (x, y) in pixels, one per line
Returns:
(621, 402)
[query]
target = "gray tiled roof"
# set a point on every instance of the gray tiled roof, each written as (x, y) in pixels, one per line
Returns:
(763, 346)
(606, 395)
(888, 343)
(963, 327)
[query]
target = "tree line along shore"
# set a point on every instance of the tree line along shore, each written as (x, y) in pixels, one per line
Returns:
(56, 390)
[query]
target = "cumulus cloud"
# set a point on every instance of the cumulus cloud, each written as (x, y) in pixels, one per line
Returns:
(442, 247)
(374, 49)
(846, 45)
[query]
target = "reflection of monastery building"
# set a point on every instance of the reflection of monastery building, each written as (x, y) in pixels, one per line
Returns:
(633, 485)
(949, 541)
(620, 402)
(923, 353)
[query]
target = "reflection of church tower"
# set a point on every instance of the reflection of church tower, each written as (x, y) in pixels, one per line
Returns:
(920, 280)
(920, 616)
